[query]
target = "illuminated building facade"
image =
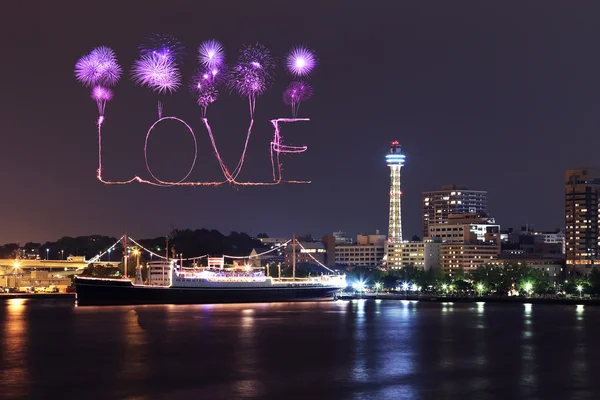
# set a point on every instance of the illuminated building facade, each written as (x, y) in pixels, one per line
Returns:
(307, 253)
(368, 251)
(467, 256)
(582, 197)
(438, 205)
(424, 255)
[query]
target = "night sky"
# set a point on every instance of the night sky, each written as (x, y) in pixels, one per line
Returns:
(501, 96)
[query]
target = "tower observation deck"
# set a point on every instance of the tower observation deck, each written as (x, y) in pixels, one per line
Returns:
(395, 160)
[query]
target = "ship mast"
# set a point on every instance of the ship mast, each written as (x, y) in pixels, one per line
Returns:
(125, 255)
(294, 257)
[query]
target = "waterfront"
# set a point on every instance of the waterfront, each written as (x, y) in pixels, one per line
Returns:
(331, 350)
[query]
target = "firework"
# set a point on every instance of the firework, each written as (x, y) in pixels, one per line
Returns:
(165, 46)
(203, 89)
(253, 73)
(297, 92)
(211, 54)
(101, 93)
(156, 72)
(300, 61)
(99, 67)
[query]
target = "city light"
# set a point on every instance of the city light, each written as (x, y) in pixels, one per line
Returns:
(579, 289)
(415, 287)
(528, 287)
(480, 288)
(359, 286)
(404, 285)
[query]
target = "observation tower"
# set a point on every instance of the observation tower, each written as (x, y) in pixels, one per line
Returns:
(395, 160)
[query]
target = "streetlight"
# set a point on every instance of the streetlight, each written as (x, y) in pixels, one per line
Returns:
(528, 287)
(579, 289)
(480, 288)
(109, 250)
(62, 253)
(377, 287)
(359, 287)
(47, 252)
(136, 253)
(445, 288)
(405, 288)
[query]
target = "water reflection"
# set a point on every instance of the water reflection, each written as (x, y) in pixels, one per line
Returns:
(578, 367)
(247, 383)
(330, 350)
(15, 369)
(528, 381)
(135, 367)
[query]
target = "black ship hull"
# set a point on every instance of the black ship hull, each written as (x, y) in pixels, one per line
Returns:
(115, 292)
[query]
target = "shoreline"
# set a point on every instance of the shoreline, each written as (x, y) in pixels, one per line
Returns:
(39, 296)
(476, 299)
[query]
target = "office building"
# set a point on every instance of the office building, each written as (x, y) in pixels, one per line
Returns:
(368, 251)
(438, 205)
(467, 256)
(424, 255)
(582, 196)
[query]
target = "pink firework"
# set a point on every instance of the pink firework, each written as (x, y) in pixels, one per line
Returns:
(300, 61)
(297, 92)
(99, 67)
(211, 54)
(157, 73)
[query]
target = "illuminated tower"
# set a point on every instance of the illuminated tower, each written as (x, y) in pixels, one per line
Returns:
(395, 160)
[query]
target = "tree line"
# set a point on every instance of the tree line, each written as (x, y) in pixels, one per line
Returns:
(488, 279)
(188, 242)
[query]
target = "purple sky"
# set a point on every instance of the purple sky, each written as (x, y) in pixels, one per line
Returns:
(501, 96)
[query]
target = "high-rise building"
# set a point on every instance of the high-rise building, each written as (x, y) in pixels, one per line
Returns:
(395, 160)
(582, 196)
(439, 204)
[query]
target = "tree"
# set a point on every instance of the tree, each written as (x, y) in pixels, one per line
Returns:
(262, 236)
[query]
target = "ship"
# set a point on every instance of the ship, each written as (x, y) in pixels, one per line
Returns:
(168, 283)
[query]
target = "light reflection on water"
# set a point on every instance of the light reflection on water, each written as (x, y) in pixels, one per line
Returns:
(14, 362)
(335, 350)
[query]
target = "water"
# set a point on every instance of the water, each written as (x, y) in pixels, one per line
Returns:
(322, 350)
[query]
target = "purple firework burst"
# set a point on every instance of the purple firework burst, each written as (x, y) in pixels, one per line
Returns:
(204, 90)
(297, 92)
(254, 71)
(157, 72)
(99, 67)
(211, 54)
(165, 46)
(101, 93)
(300, 61)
